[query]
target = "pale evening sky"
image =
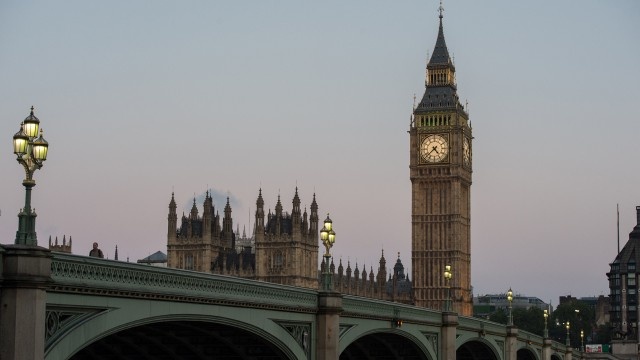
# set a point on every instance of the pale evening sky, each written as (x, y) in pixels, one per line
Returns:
(139, 99)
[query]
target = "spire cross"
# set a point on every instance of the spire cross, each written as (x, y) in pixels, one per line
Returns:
(441, 9)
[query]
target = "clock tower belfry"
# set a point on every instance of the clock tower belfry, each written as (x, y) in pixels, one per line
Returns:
(440, 172)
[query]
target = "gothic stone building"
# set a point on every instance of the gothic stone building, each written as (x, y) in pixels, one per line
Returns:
(286, 244)
(440, 172)
(282, 250)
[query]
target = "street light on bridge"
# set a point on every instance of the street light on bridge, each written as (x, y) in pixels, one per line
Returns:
(328, 237)
(31, 152)
(582, 340)
(447, 278)
(510, 299)
(546, 329)
(568, 338)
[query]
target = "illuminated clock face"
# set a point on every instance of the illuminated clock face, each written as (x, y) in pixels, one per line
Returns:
(466, 152)
(434, 148)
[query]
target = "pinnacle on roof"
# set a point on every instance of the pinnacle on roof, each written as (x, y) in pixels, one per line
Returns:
(440, 54)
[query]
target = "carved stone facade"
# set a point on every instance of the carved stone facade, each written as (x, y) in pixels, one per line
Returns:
(64, 247)
(284, 248)
(440, 173)
(397, 287)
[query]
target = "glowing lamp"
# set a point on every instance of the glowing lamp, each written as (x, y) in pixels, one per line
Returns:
(40, 148)
(20, 142)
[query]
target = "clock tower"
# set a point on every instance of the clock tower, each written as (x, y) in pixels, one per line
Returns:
(440, 171)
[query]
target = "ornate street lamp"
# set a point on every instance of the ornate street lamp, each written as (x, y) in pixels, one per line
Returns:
(582, 340)
(546, 329)
(31, 152)
(447, 278)
(568, 338)
(328, 237)
(510, 299)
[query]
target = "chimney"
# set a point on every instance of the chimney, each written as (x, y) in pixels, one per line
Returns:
(638, 215)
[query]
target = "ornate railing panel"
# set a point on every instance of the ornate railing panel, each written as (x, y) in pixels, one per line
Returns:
(72, 273)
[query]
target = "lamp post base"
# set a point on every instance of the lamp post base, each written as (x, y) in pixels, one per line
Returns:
(26, 234)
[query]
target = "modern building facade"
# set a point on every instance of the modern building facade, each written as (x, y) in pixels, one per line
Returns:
(440, 171)
(623, 286)
(485, 305)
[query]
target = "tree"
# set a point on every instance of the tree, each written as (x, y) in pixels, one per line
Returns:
(499, 316)
(580, 317)
(531, 320)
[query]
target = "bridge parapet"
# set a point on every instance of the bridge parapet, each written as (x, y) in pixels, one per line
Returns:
(359, 307)
(73, 273)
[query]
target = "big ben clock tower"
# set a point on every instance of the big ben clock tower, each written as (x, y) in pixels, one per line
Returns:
(440, 171)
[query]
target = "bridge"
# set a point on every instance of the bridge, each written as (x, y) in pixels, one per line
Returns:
(62, 306)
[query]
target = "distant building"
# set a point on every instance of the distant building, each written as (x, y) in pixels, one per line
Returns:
(396, 288)
(623, 286)
(485, 305)
(600, 306)
(64, 247)
(283, 250)
(158, 258)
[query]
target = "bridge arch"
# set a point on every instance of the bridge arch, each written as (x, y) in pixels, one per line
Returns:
(118, 319)
(476, 349)
(526, 353)
(385, 344)
(182, 339)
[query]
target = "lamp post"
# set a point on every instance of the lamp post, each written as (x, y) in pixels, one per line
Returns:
(582, 340)
(510, 299)
(447, 278)
(546, 329)
(568, 342)
(328, 237)
(31, 152)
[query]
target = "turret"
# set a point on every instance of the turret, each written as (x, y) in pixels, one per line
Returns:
(259, 233)
(227, 227)
(173, 221)
(313, 220)
(305, 224)
(193, 218)
(382, 275)
(278, 217)
(207, 217)
(296, 217)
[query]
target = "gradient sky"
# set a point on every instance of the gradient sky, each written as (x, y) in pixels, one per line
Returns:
(139, 99)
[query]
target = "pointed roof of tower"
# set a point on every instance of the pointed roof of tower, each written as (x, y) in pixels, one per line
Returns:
(278, 206)
(172, 203)
(227, 207)
(296, 198)
(440, 54)
(260, 201)
(194, 209)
